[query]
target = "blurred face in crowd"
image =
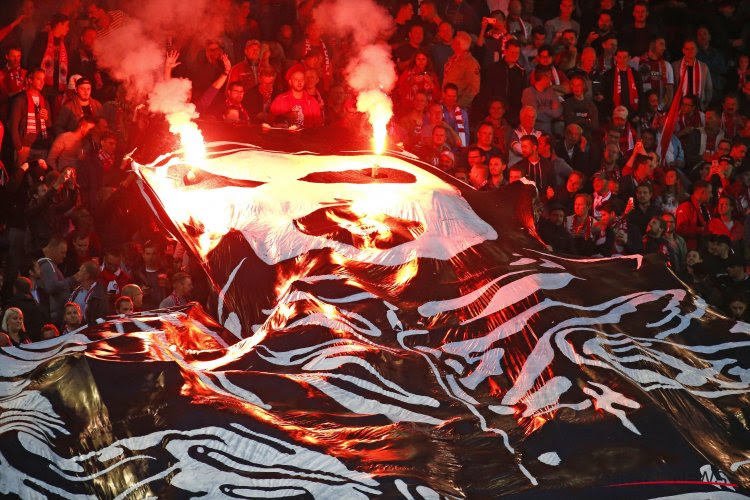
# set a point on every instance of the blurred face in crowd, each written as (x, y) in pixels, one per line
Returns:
(15, 322)
(13, 57)
(445, 162)
(515, 8)
(252, 51)
(557, 217)
(619, 123)
(416, 35)
(643, 195)
(109, 145)
(474, 158)
(669, 221)
(461, 175)
(36, 80)
(600, 185)
(689, 50)
(61, 29)
(572, 134)
(125, 307)
(729, 105)
(81, 246)
(83, 91)
(686, 106)
(58, 253)
(435, 114)
(539, 39)
(640, 13)
(497, 167)
(237, 93)
(543, 80)
(544, 58)
(484, 136)
(438, 136)
(724, 207)
(213, 52)
(420, 62)
(527, 148)
(648, 140)
(658, 47)
(574, 183)
(581, 206)
(738, 152)
(478, 175)
(693, 257)
(566, 8)
(72, 317)
(405, 12)
(514, 175)
(111, 263)
(544, 149)
(588, 58)
(420, 102)
(311, 79)
(297, 81)
(610, 46)
(653, 102)
(723, 148)
(512, 53)
(578, 87)
(611, 153)
(183, 288)
(450, 97)
(445, 32)
(569, 39)
(703, 194)
(738, 308)
(497, 110)
(654, 227)
(528, 118)
(622, 57)
(670, 178)
(703, 36)
(604, 23)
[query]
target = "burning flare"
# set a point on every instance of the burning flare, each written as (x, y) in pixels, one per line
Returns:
(379, 109)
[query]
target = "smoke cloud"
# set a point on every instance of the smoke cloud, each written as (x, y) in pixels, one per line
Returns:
(370, 71)
(135, 53)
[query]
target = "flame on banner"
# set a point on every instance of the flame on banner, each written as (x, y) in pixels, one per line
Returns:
(193, 146)
(379, 109)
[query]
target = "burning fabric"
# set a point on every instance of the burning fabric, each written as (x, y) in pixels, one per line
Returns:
(381, 333)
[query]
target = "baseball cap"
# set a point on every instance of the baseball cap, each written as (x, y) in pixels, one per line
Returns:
(72, 81)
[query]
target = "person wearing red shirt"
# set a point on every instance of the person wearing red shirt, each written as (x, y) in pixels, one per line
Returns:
(296, 106)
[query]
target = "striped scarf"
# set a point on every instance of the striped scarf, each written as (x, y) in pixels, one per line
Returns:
(32, 117)
(326, 57)
(460, 127)
(48, 63)
(697, 83)
(632, 90)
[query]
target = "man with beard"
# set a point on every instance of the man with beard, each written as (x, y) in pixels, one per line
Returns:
(82, 104)
(297, 107)
(506, 80)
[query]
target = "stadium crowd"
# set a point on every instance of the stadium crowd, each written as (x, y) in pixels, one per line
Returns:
(631, 117)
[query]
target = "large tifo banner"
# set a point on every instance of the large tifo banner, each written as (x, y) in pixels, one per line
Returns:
(379, 331)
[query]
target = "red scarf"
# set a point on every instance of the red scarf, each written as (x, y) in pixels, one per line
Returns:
(34, 124)
(48, 63)
(697, 84)
(632, 89)
(671, 120)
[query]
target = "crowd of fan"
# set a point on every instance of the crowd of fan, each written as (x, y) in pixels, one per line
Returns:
(572, 94)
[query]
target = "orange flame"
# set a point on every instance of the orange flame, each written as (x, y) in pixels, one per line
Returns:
(379, 109)
(193, 146)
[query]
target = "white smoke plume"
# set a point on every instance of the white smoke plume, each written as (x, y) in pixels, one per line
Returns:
(135, 53)
(370, 71)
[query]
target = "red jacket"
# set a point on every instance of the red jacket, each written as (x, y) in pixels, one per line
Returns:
(691, 224)
(304, 112)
